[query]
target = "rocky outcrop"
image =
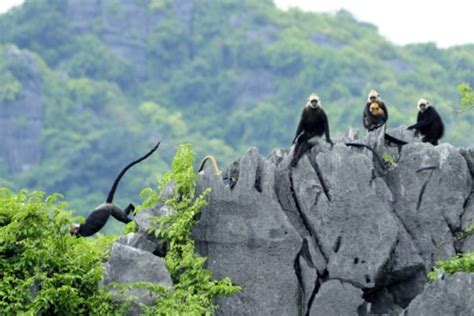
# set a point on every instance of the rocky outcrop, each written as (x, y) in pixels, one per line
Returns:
(466, 243)
(337, 298)
(21, 118)
(375, 231)
(127, 264)
(339, 234)
(449, 296)
(245, 233)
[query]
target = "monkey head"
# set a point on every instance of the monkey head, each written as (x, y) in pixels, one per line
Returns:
(375, 109)
(423, 104)
(74, 228)
(373, 96)
(314, 101)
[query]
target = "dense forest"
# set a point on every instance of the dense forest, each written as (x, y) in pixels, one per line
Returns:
(88, 86)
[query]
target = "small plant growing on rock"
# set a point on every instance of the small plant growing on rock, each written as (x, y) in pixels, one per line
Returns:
(461, 263)
(194, 290)
(389, 159)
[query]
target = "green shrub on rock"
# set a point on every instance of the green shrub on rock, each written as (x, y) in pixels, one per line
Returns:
(44, 270)
(194, 290)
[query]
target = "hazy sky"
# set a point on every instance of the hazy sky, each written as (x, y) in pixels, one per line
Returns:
(402, 21)
(406, 21)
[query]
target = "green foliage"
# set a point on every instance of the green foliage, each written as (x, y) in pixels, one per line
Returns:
(223, 75)
(157, 5)
(461, 263)
(10, 88)
(469, 230)
(467, 101)
(389, 159)
(44, 270)
(95, 60)
(194, 289)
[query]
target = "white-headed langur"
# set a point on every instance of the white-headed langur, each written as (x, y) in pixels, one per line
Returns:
(428, 123)
(98, 218)
(313, 122)
(375, 112)
(376, 115)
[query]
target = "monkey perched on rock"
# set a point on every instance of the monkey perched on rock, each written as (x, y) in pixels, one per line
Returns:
(313, 122)
(98, 218)
(376, 115)
(375, 112)
(428, 123)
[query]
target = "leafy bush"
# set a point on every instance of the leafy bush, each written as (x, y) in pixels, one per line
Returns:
(194, 288)
(44, 270)
(467, 101)
(461, 263)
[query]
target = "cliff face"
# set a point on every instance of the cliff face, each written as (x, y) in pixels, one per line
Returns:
(338, 234)
(21, 119)
(123, 26)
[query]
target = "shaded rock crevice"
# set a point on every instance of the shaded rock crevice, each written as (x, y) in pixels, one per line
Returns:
(298, 208)
(422, 190)
(320, 176)
(307, 277)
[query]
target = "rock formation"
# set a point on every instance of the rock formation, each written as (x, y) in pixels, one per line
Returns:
(338, 234)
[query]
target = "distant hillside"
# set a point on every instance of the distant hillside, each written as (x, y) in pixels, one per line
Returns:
(109, 77)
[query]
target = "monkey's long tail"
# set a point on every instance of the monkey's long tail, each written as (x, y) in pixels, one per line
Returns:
(110, 197)
(372, 150)
(394, 140)
(213, 162)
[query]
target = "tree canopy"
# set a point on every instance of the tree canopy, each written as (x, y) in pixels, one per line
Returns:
(223, 75)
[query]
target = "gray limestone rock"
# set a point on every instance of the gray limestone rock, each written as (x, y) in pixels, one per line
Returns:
(138, 241)
(332, 236)
(286, 198)
(337, 298)
(127, 264)
(430, 202)
(468, 154)
(355, 228)
(452, 295)
(246, 236)
(467, 220)
(308, 279)
(405, 262)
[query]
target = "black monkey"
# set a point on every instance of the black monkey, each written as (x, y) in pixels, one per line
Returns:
(375, 112)
(428, 123)
(313, 122)
(98, 218)
(376, 115)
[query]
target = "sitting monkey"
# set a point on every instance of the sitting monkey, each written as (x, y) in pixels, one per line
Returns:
(428, 123)
(313, 122)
